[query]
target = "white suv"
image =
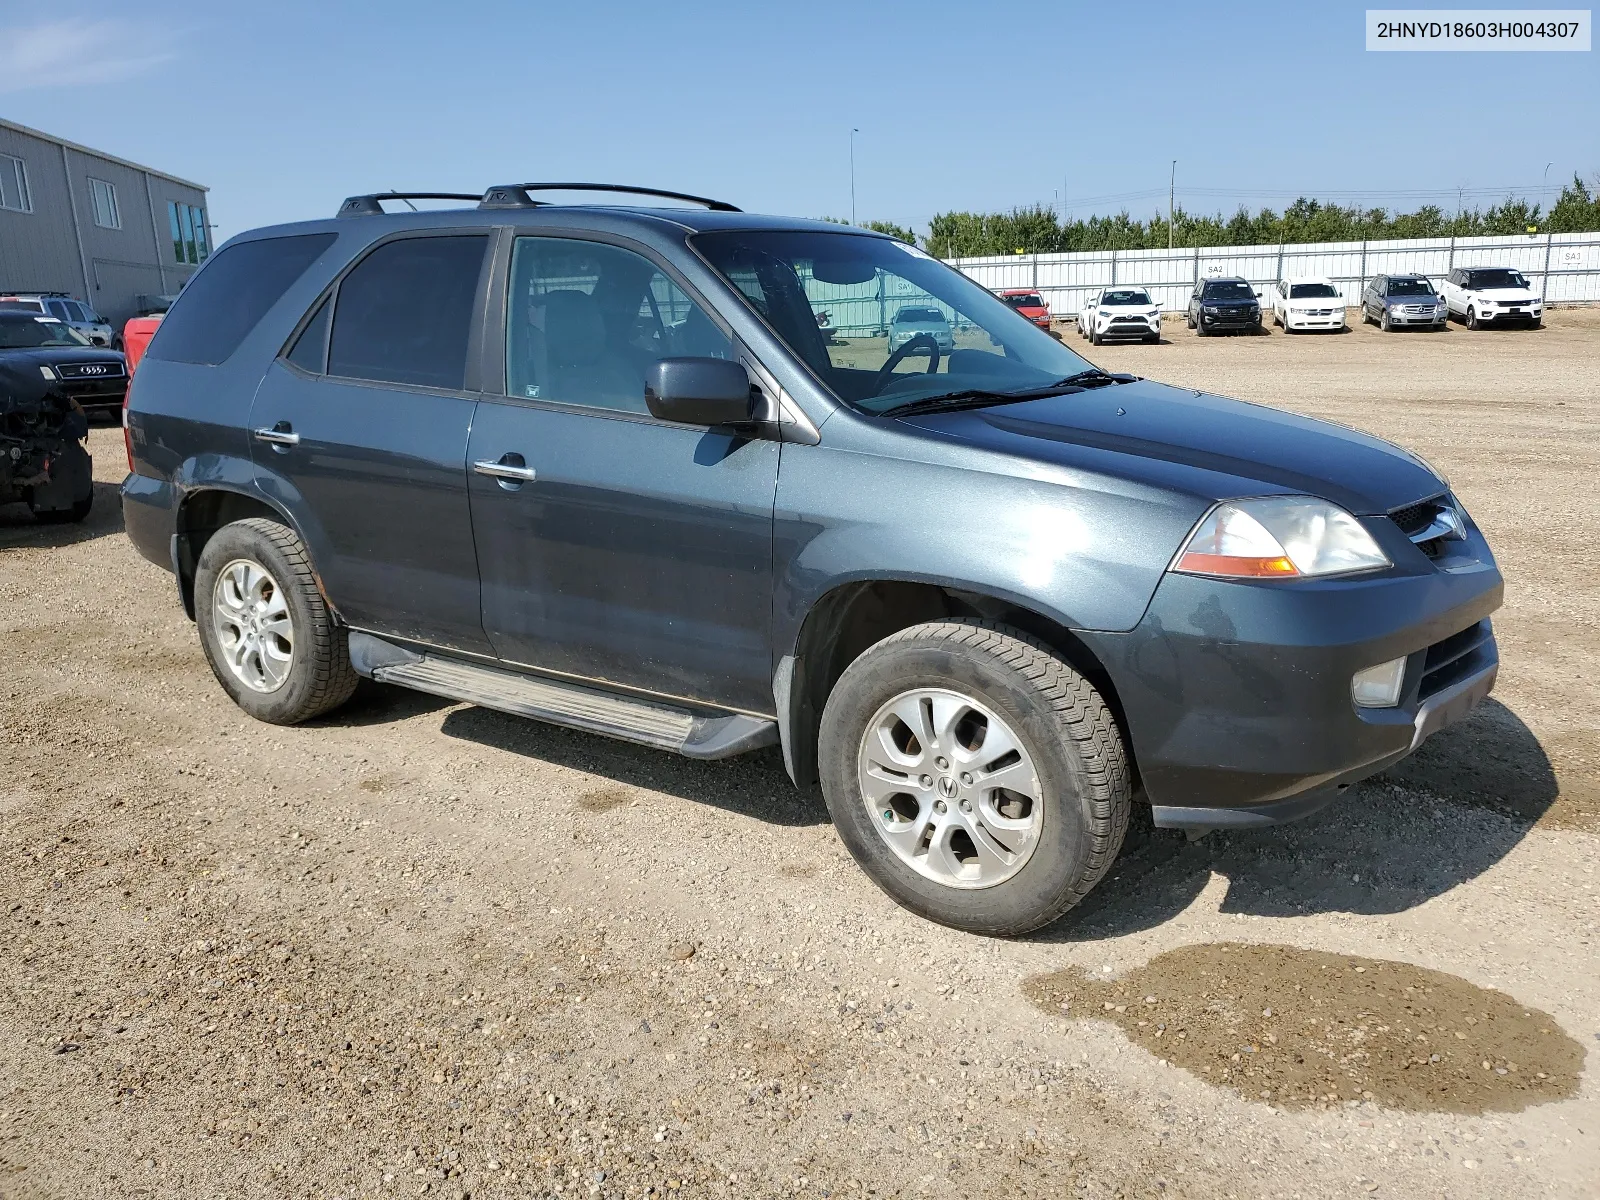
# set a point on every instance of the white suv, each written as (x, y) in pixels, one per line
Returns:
(68, 311)
(1307, 302)
(1491, 295)
(1120, 312)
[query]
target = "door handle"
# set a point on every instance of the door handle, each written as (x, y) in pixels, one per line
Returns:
(278, 437)
(500, 470)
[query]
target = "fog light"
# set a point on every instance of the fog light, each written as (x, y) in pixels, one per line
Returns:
(1379, 686)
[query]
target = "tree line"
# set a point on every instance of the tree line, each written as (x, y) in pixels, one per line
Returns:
(1037, 229)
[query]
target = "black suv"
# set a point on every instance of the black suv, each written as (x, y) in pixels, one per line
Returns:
(1219, 305)
(601, 466)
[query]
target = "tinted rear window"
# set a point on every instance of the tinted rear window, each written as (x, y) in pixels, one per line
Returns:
(222, 304)
(404, 315)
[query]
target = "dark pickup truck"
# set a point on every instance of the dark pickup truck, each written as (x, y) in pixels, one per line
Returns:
(598, 465)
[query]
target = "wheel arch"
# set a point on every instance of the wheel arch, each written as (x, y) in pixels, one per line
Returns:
(203, 511)
(852, 616)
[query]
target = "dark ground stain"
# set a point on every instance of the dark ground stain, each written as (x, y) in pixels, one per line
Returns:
(604, 799)
(1303, 1028)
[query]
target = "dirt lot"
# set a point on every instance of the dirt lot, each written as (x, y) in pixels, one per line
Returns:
(424, 949)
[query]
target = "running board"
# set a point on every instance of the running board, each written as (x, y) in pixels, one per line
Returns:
(625, 717)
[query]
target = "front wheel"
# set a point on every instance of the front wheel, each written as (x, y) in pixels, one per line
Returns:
(1472, 319)
(1384, 324)
(977, 778)
(266, 631)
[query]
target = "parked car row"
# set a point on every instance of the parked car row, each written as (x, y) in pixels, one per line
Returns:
(1477, 296)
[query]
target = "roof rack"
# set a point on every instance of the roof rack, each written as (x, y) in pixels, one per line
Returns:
(369, 206)
(515, 195)
(34, 292)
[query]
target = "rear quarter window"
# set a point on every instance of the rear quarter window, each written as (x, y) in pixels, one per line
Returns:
(231, 293)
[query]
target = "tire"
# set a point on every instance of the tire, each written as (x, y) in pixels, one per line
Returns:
(1152, 339)
(1094, 337)
(1384, 324)
(317, 677)
(1080, 777)
(1472, 319)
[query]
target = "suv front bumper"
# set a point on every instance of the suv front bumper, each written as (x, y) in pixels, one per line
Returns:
(1236, 695)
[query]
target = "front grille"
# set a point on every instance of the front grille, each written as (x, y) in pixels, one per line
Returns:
(105, 370)
(1418, 310)
(1129, 321)
(1456, 657)
(1414, 518)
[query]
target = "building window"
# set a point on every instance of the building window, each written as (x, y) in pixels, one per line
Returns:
(14, 185)
(189, 241)
(103, 200)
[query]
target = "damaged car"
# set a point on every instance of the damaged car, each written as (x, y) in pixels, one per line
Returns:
(43, 462)
(95, 376)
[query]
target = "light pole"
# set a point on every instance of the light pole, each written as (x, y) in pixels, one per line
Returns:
(853, 133)
(1544, 181)
(1172, 181)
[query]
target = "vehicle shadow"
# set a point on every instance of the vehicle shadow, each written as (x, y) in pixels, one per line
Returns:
(19, 530)
(753, 785)
(1441, 817)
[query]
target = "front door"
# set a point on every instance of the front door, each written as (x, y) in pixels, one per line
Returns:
(614, 547)
(360, 432)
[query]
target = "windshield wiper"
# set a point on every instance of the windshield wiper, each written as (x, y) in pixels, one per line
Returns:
(980, 398)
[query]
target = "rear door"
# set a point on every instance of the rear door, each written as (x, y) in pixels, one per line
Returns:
(614, 547)
(360, 431)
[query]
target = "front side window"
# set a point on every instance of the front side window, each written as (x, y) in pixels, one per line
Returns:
(14, 184)
(585, 320)
(404, 314)
(103, 204)
(1313, 291)
(839, 301)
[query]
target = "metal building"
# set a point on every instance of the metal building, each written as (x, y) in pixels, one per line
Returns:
(100, 228)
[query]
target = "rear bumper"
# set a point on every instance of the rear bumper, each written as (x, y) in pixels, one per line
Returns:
(1236, 696)
(149, 514)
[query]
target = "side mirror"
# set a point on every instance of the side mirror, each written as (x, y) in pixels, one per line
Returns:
(698, 391)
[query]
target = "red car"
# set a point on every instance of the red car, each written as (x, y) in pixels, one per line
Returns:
(1030, 304)
(136, 335)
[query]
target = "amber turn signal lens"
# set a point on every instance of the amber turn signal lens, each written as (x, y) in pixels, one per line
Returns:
(1241, 568)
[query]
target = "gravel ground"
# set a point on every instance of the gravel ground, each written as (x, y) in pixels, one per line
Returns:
(422, 949)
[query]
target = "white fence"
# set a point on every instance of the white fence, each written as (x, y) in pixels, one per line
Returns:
(1564, 267)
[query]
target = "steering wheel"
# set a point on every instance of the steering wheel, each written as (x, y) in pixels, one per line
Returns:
(925, 342)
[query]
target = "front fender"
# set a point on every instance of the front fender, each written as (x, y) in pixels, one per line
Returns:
(1084, 558)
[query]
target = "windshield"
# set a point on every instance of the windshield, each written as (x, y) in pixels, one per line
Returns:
(1126, 296)
(1410, 287)
(919, 316)
(788, 277)
(1313, 291)
(1231, 289)
(24, 333)
(1031, 300)
(1498, 278)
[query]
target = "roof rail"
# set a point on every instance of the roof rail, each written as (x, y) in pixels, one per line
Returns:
(368, 206)
(515, 195)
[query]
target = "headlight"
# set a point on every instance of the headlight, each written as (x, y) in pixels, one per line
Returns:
(1207, 308)
(1279, 537)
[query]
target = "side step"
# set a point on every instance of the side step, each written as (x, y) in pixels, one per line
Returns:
(625, 717)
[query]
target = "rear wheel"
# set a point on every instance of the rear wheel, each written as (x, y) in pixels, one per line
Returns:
(266, 631)
(976, 777)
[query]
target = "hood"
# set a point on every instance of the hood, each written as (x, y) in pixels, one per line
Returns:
(1199, 444)
(1230, 303)
(1516, 295)
(62, 354)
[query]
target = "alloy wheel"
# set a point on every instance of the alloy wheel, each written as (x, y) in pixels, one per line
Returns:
(254, 628)
(951, 788)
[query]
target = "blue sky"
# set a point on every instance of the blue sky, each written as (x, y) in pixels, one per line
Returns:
(283, 109)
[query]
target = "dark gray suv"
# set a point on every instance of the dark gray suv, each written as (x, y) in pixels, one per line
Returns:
(599, 465)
